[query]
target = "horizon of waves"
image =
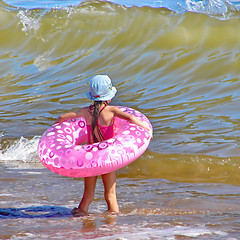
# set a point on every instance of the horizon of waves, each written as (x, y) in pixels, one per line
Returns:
(222, 9)
(188, 67)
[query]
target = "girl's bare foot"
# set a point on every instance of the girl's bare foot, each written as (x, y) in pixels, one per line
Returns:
(78, 212)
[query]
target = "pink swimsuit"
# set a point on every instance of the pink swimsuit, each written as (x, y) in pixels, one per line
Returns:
(107, 131)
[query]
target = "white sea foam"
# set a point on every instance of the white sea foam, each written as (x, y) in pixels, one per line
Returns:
(167, 233)
(23, 149)
(29, 23)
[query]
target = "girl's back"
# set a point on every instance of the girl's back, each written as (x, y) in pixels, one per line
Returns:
(102, 123)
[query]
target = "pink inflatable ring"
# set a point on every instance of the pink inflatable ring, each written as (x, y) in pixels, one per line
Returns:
(60, 148)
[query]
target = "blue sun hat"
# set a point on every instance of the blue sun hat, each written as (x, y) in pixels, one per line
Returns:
(101, 88)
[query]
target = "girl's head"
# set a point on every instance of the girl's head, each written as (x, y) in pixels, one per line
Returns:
(101, 88)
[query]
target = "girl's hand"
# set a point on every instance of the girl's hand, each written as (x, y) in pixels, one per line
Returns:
(150, 131)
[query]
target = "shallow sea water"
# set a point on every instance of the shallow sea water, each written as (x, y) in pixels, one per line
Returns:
(36, 204)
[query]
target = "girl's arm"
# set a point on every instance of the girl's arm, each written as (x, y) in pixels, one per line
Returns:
(66, 116)
(70, 115)
(119, 113)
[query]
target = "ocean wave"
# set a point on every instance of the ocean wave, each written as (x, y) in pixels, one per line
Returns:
(180, 70)
(219, 8)
(22, 150)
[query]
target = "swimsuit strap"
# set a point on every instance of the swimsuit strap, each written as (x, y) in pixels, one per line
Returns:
(100, 112)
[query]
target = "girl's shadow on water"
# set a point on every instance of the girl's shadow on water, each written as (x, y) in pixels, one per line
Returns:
(35, 212)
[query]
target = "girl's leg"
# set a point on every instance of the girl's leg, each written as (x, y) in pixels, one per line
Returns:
(109, 182)
(88, 195)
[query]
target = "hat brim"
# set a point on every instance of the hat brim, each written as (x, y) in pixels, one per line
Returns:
(107, 97)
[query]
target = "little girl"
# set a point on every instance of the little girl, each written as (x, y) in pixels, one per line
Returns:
(100, 122)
